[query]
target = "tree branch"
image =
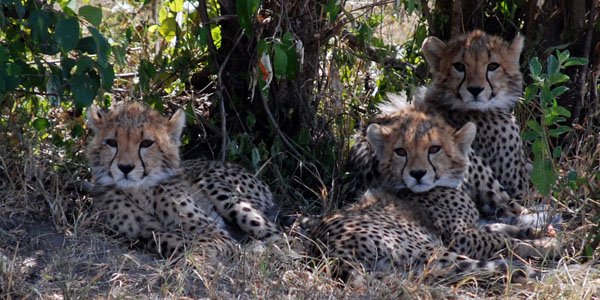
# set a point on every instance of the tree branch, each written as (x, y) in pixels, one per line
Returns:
(583, 79)
(373, 54)
(203, 13)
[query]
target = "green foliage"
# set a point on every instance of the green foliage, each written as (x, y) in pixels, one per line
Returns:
(547, 86)
(38, 46)
(245, 10)
(53, 63)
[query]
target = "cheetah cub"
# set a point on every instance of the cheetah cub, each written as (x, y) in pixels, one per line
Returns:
(143, 194)
(418, 220)
(477, 78)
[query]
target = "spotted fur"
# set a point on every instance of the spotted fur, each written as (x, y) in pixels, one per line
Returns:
(368, 171)
(143, 194)
(477, 78)
(420, 227)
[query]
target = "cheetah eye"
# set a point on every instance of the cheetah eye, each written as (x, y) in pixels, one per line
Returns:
(434, 149)
(459, 67)
(146, 143)
(493, 66)
(400, 152)
(111, 143)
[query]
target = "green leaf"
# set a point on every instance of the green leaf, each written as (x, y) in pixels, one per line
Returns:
(576, 61)
(119, 53)
(2, 21)
(91, 14)
(572, 175)
(546, 95)
(543, 175)
(84, 64)
(535, 126)
(8, 82)
(255, 157)
(168, 28)
(102, 47)
(84, 88)
(19, 8)
(557, 78)
(530, 135)
(535, 68)
(280, 60)
(87, 45)
(4, 55)
(54, 87)
(561, 111)
(292, 56)
(146, 71)
(39, 22)
(557, 91)
(530, 93)
(202, 35)
(333, 8)
(245, 10)
(250, 120)
(556, 132)
(107, 76)
(176, 5)
(557, 152)
(562, 56)
(77, 131)
(553, 65)
(67, 33)
(40, 124)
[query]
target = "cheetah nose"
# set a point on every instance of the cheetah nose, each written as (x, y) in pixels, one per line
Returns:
(417, 174)
(475, 90)
(125, 168)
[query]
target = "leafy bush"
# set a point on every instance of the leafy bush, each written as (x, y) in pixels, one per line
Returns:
(547, 86)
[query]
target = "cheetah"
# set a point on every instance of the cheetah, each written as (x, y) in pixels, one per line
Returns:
(479, 182)
(477, 78)
(143, 192)
(421, 222)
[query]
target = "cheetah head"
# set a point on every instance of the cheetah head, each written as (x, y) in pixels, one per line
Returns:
(475, 71)
(133, 145)
(419, 151)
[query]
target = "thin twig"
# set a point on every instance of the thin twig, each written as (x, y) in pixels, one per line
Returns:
(276, 126)
(427, 14)
(220, 92)
(203, 12)
(585, 68)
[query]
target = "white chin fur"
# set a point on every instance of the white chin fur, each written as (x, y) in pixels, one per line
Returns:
(127, 183)
(420, 188)
(448, 182)
(500, 101)
(426, 186)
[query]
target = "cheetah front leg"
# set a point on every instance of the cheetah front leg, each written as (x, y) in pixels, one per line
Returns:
(244, 210)
(480, 244)
(488, 194)
(517, 232)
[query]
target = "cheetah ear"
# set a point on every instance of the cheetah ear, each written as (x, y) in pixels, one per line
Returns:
(376, 135)
(95, 117)
(516, 47)
(176, 124)
(464, 137)
(433, 50)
